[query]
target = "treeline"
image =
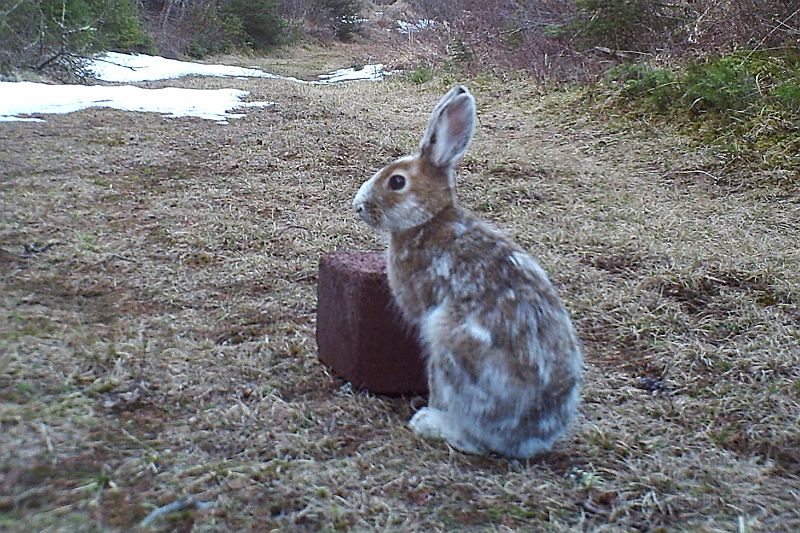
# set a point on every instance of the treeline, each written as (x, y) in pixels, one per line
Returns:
(48, 34)
(54, 35)
(575, 39)
(202, 27)
(553, 39)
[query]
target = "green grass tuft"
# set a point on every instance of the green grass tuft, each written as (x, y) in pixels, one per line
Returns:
(420, 75)
(747, 103)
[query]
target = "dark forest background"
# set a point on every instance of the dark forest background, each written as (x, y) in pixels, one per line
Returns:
(550, 38)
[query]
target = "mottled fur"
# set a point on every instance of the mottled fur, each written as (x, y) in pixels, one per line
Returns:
(502, 358)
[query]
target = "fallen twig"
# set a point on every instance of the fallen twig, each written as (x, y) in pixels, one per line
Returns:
(29, 250)
(291, 227)
(112, 255)
(34, 248)
(698, 171)
(178, 505)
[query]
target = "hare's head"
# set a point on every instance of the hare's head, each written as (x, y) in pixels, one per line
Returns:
(413, 189)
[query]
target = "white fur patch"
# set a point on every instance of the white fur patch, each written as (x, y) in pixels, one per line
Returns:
(408, 213)
(430, 325)
(524, 262)
(549, 424)
(441, 266)
(509, 295)
(435, 424)
(573, 399)
(495, 379)
(477, 331)
(405, 158)
(429, 423)
(542, 359)
(363, 192)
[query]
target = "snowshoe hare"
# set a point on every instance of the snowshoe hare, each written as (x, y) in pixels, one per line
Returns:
(503, 361)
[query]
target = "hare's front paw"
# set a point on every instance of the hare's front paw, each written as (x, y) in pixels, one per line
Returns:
(429, 423)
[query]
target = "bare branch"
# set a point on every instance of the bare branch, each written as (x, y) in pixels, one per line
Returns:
(183, 504)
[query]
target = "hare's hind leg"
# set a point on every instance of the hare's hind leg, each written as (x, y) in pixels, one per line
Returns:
(433, 423)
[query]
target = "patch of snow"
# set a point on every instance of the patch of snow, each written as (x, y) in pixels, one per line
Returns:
(10, 118)
(130, 68)
(367, 72)
(353, 20)
(26, 98)
(406, 27)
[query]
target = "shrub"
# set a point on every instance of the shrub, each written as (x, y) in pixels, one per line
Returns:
(215, 27)
(212, 31)
(748, 103)
(658, 87)
(259, 21)
(119, 27)
(719, 85)
(622, 24)
(420, 75)
(460, 52)
(788, 94)
(52, 34)
(342, 16)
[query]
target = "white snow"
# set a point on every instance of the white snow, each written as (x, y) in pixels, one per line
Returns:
(129, 68)
(26, 98)
(406, 27)
(366, 73)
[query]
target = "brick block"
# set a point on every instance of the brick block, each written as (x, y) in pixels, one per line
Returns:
(360, 332)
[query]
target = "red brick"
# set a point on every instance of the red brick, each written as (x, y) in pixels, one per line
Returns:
(360, 332)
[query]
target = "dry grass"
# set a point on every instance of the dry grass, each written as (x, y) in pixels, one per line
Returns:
(163, 347)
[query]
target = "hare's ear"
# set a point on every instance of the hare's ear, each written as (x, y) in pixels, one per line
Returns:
(450, 128)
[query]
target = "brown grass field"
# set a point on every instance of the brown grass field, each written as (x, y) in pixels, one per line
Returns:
(157, 315)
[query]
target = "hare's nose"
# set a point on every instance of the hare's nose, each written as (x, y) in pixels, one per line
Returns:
(359, 208)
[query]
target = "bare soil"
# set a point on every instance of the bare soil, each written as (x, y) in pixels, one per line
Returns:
(158, 303)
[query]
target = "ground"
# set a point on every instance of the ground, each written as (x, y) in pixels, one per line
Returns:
(158, 302)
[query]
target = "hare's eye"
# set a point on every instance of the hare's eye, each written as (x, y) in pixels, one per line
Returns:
(397, 182)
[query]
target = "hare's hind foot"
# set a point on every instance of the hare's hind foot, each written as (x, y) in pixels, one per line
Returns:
(430, 423)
